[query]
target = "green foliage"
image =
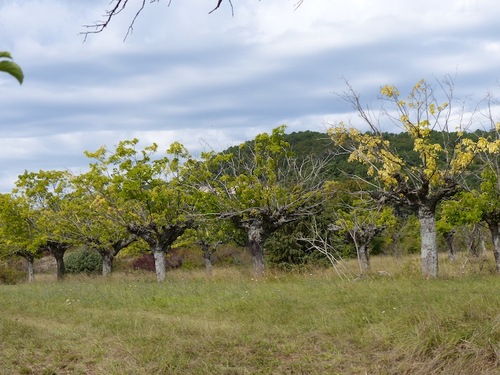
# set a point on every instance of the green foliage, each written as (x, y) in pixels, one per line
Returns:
(410, 242)
(16, 227)
(10, 67)
(465, 208)
(285, 251)
(83, 261)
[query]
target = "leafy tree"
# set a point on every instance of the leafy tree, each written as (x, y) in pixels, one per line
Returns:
(17, 231)
(489, 201)
(44, 193)
(144, 188)
(440, 168)
(10, 67)
(363, 220)
(463, 211)
(481, 205)
(262, 188)
(92, 221)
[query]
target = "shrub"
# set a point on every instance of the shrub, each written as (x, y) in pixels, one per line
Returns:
(285, 252)
(145, 262)
(9, 274)
(83, 261)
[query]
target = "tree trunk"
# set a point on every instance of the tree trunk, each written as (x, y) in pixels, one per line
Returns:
(107, 264)
(61, 269)
(448, 237)
(208, 263)
(396, 236)
(363, 258)
(160, 264)
(57, 249)
(428, 244)
(258, 258)
(495, 236)
(256, 245)
(31, 268)
(473, 240)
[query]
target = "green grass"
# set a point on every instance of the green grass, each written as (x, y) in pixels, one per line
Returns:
(309, 323)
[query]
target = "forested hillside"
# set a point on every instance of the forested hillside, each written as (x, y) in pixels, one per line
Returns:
(309, 142)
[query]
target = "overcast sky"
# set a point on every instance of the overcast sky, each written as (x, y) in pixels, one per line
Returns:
(210, 81)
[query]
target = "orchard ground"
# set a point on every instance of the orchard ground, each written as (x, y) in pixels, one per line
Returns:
(309, 322)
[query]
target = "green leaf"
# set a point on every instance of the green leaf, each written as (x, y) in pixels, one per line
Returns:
(5, 54)
(11, 68)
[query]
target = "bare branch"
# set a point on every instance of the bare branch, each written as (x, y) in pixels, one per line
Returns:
(298, 4)
(119, 5)
(320, 242)
(131, 26)
(218, 5)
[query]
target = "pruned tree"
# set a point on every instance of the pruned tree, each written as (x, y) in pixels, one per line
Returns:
(483, 205)
(17, 232)
(211, 233)
(92, 221)
(463, 212)
(144, 189)
(363, 219)
(44, 192)
(261, 187)
(441, 166)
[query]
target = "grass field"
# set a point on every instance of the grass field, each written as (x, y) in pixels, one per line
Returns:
(301, 323)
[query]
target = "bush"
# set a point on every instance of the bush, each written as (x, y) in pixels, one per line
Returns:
(145, 262)
(83, 261)
(285, 252)
(9, 274)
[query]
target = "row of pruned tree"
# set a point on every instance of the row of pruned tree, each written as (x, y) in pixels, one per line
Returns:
(131, 195)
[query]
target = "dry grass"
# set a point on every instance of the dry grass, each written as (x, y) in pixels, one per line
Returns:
(301, 323)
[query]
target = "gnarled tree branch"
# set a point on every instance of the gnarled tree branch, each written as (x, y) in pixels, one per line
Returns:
(117, 6)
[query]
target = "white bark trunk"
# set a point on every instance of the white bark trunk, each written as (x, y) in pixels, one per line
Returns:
(428, 245)
(256, 244)
(31, 269)
(364, 259)
(107, 264)
(160, 265)
(208, 265)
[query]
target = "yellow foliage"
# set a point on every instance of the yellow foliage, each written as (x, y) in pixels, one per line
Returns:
(389, 91)
(419, 114)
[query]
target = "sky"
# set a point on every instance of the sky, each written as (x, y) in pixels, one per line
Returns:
(212, 81)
